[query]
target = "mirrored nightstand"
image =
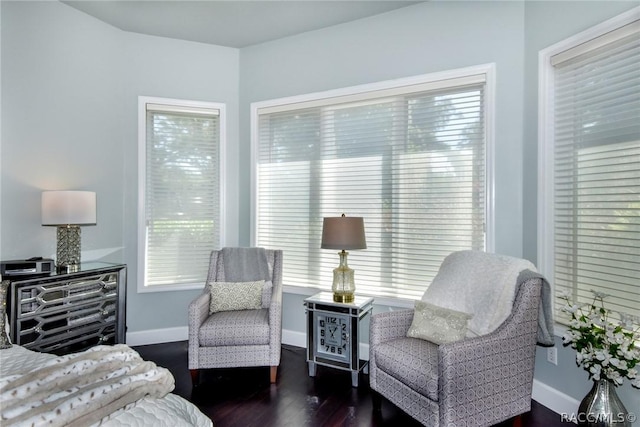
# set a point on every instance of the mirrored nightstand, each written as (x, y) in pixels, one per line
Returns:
(334, 333)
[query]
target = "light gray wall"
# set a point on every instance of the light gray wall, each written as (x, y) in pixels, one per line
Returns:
(59, 125)
(70, 87)
(546, 24)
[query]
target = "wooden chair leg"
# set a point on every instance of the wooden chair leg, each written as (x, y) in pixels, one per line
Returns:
(517, 421)
(273, 373)
(195, 377)
(376, 400)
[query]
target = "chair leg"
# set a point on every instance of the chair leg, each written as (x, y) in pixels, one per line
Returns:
(195, 376)
(376, 400)
(517, 421)
(273, 373)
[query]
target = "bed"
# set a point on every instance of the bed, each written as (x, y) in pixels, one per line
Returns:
(143, 398)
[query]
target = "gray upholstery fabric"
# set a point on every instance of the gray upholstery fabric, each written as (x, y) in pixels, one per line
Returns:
(480, 381)
(243, 327)
(242, 338)
(412, 361)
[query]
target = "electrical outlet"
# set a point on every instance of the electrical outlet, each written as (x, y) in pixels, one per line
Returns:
(552, 355)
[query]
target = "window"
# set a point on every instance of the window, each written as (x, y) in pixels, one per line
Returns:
(590, 165)
(180, 191)
(408, 155)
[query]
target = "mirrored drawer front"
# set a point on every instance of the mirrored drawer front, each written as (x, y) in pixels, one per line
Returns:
(62, 315)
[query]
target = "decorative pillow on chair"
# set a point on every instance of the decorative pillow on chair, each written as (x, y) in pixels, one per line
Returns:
(230, 296)
(437, 324)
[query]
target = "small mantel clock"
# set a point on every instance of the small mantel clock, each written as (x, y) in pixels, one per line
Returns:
(333, 333)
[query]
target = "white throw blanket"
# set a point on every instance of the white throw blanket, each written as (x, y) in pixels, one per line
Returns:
(480, 284)
(81, 389)
(245, 264)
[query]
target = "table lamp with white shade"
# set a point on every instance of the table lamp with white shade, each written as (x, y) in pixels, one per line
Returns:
(68, 210)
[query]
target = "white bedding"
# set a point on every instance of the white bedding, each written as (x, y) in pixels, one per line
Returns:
(170, 411)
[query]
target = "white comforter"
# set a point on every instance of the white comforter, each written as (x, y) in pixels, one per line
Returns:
(170, 411)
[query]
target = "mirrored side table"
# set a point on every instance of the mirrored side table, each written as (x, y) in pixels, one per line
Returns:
(334, 333)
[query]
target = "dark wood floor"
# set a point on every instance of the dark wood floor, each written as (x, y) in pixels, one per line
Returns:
(243, 397)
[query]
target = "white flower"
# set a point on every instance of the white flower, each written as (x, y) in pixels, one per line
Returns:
(614, 361)
(595, 371)
(615, 377)
(600, 349)
(618, 338)
(626, 320)
(570, 308)
(567, 338)
(564, 294)
(579, 324)
(603, 357)
(599, 295)
(598, 321)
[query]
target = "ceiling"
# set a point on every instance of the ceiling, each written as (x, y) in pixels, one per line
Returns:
(232, 23)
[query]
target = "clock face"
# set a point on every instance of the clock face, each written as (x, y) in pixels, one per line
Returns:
(333, 336)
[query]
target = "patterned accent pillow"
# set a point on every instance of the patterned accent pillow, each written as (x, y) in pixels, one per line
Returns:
(5, 342)
(438, 324)
(230, 296)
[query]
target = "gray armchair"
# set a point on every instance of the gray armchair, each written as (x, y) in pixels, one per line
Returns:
(239, 338)
(478, 380)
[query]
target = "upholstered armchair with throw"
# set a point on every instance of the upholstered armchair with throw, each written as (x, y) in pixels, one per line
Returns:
(465, 355)
(237, 320)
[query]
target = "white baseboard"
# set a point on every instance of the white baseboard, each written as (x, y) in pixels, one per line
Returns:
(157, 336)
(294, 338)
(553, 399)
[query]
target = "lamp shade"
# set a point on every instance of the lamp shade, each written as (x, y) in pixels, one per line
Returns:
(68, 208)
(343, 233)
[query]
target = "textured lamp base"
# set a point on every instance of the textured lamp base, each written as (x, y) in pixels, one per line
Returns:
(68, 250)
(344, 285)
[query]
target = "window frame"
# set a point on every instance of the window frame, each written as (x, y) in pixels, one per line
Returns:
(546, 140)
(142, 287)
(359, 93)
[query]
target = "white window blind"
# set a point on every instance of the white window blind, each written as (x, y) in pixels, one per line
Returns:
(182, 185)
(596, 182)
(410, 160)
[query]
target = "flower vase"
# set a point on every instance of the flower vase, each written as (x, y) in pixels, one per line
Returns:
(602, 407)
